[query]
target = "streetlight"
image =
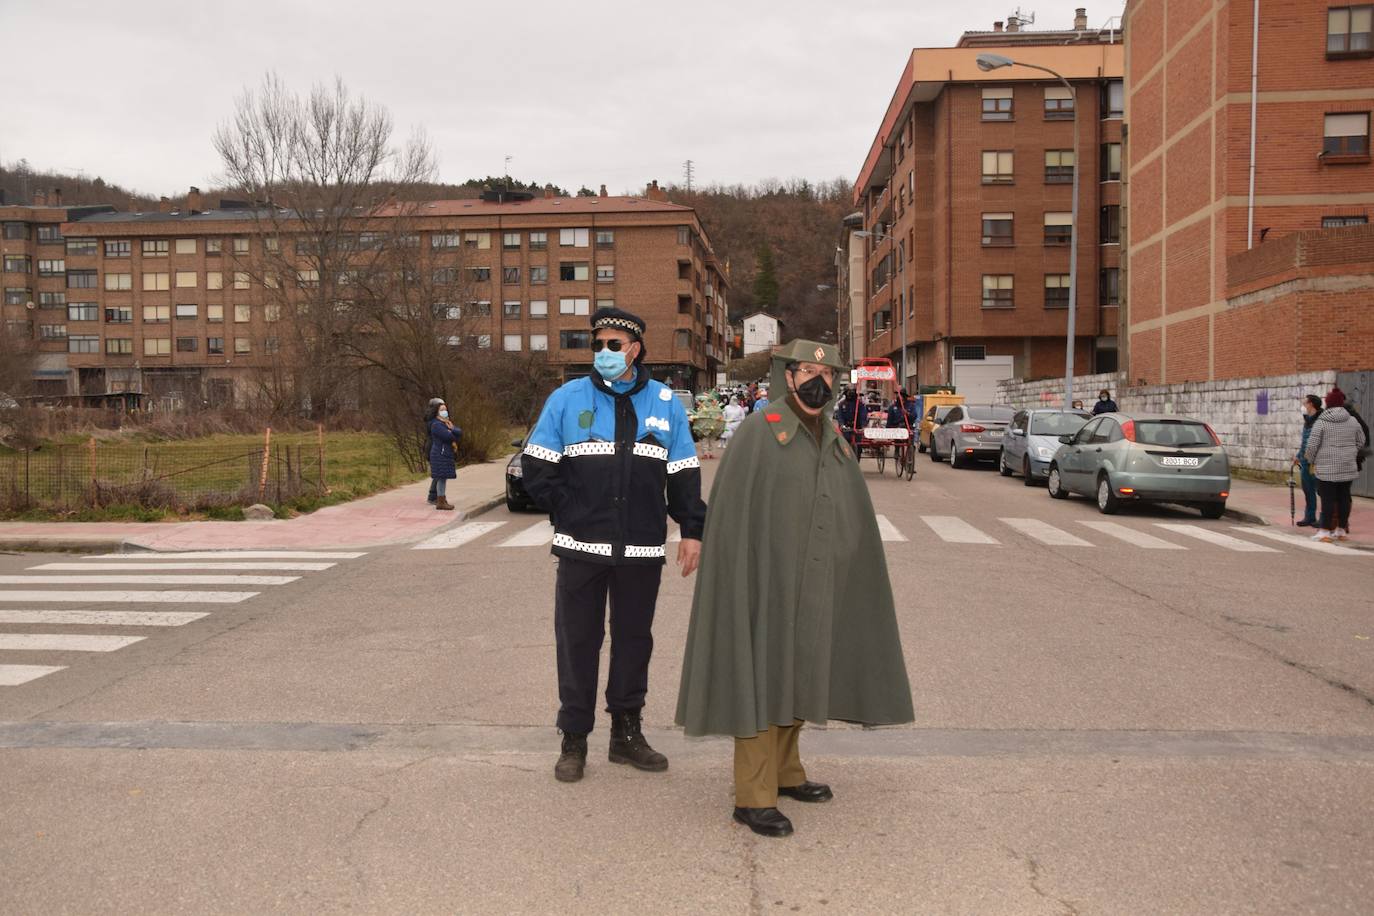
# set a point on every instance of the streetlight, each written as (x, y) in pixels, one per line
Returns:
(901, 281)
(988, 62)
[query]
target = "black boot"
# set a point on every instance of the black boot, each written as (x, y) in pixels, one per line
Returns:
(573, 761)
(764, 821)
(628, 744)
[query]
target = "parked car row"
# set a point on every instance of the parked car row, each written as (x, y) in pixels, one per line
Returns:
(1113, 458)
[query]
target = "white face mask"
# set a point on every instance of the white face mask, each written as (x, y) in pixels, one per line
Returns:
(443, 414)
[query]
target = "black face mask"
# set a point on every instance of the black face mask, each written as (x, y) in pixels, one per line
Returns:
(814, 393)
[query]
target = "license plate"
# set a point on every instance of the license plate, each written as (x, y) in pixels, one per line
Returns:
(993, 434)
(1179, 462)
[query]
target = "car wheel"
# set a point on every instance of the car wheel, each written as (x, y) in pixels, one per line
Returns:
(1107, 501)
(1026, 478)
(921, 447)
(1002, 464)
(953, 455)
(1213, 510)
(1055, 485)
(934, 452)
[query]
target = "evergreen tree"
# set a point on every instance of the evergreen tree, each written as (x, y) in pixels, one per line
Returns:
(766, 280)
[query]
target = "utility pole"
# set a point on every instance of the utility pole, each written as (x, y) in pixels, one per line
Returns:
(688, 170)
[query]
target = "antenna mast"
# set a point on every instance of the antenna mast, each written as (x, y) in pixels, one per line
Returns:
(688, 171)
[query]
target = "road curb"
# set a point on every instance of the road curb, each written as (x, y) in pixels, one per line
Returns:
(1243, 515)
(61, 545)
(472, 510)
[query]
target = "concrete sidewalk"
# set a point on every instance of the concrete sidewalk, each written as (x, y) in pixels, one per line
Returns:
(394, 516)
(1269, 502)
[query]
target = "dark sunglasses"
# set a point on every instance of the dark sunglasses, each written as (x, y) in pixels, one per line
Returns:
(615, 346)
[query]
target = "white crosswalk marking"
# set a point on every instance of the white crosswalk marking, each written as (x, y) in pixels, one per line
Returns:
(125, 597)
(158, 579)
(888, 530)
(1044, 532)
(457, 537)
(65, 642)
(103, 618)
(1132, 536)
(123, 567)
(1215, 537)
(14, 675)
(236, 555)
(1304, 541)
(956, 530)
(535, 535)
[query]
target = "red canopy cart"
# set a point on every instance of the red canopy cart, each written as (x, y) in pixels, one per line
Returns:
(874, 437)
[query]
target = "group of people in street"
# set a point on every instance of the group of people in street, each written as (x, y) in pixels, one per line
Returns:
(717, 414)
(1335, 443)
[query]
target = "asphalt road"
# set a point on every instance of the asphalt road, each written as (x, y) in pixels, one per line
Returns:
(1138, 719)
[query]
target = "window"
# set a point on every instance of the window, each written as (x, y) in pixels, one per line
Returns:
(186, 312)
(119, 346)
(271, 312)
(510, 241)
(214, 346)
(1113, 99)
(114, 281)
(188, 344)
(684, 235)
(1058, 104)
(682, 339)
(1346, 134)
(214, 279)
(243, 345)
(442, 240)
(605, 273)
(186, 246)
(539, 342)
(52, 331)
(997, 166)
(119, 314)
(445, 312)
(51, 267)
(82, 248)
(157, 314)
(573, 270)
(1059, 165)
(511, 343)
(573, 238)
(539, 241)
(155, 248)
(1109, 286)
(997, 104)
(539, 308)
(1110, 223)
(273, 244)
(539, 276)
(241, 279)
(243, 314)
(17, 264)
(480, 308)
(240, 245)
(271, 345)
(1328, 222)
(1056, 291)
(18, 295)
(214, 247)
(1111, 162)
(510, 308)
(1058, 228)
(574, 306)
(997, 230)
(605, 303)
(83, 343)
(1348, 31)
(154, 281)
(85, 311)
(510, 276)
(186, 279)
(16, 231)
(997, 291)
(305, 279)
(48, 234)
(47, 300)
(214, 313)
(480, 274)
(118, 249)
(444, 276)
(605, 238)
(478, 240)
(157, 346)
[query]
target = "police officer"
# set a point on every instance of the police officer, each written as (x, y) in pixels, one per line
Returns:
(610, 458)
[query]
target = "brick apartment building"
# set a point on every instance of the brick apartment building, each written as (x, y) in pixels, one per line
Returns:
(967, 189)
(162, 304)
(1223, 280)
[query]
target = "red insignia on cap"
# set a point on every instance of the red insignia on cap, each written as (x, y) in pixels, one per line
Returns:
(772, 417)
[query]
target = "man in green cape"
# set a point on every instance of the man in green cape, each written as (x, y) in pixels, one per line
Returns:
(792, 619)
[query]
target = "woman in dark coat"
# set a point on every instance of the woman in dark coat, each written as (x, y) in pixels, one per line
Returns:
(443, 446)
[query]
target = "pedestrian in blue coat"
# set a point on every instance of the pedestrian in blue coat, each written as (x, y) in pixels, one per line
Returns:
(443, 453)
(431, 411)
(1311, 409)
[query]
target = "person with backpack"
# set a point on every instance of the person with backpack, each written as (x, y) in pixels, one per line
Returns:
(1333, 448)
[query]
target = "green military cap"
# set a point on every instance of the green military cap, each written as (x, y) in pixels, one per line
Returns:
(810, 351)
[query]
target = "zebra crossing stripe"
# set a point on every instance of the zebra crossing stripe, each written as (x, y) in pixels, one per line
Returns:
(14, 675)
(65, 642)
(236, 555)
(103, 618)
(1044, 532)
(534, 536)
(158, 579)
(457, 537)
(124, 567)
(124, 597)
(888, 530)
(955, 530)
(1215, 537)
(1302, 541)
(1132, 536)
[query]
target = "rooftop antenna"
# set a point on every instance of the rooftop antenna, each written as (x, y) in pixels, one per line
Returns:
(1024, 18)
(509, 157)
(688, 170)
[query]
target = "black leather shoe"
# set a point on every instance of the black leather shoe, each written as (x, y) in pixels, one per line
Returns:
(764, 821)
(1304, 523)
(808, 792)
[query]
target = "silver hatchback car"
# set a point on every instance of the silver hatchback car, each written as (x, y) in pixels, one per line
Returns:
(1032, 440)
(1117, 457)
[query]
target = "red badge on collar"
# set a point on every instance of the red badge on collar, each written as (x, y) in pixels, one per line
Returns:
(773, 417)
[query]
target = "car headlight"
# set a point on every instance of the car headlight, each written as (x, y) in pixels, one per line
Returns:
(514, 470)
(1044, 453)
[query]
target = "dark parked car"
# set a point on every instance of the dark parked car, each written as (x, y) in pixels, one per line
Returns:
(517, 500)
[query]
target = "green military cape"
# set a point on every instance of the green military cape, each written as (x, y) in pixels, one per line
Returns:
(792, 616)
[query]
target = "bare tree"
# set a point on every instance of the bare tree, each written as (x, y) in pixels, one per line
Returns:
(18, 358)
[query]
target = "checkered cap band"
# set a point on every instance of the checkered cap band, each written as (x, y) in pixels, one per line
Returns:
(623, 324)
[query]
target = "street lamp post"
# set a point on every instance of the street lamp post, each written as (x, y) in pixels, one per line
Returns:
(901, 282)
(988, 62)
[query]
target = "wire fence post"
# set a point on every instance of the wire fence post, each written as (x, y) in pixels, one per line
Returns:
(95, 483)
(319, 446)
(266, 452)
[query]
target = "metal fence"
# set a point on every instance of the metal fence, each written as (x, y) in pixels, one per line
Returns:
(168, 475)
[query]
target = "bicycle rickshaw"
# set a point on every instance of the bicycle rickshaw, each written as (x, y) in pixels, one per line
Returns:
(874, 438)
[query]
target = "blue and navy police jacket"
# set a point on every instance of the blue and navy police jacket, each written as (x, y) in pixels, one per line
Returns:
(610, 466)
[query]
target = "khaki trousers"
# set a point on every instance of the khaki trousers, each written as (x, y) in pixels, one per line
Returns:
(765, 762)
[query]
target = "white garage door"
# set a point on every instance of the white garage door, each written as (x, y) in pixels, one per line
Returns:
(976, 379)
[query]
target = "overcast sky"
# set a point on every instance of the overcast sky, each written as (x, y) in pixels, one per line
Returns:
(580, 91)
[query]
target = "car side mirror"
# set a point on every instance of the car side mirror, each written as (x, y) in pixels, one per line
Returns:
(1018, 432)
(1066, 439)
(518, 443)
